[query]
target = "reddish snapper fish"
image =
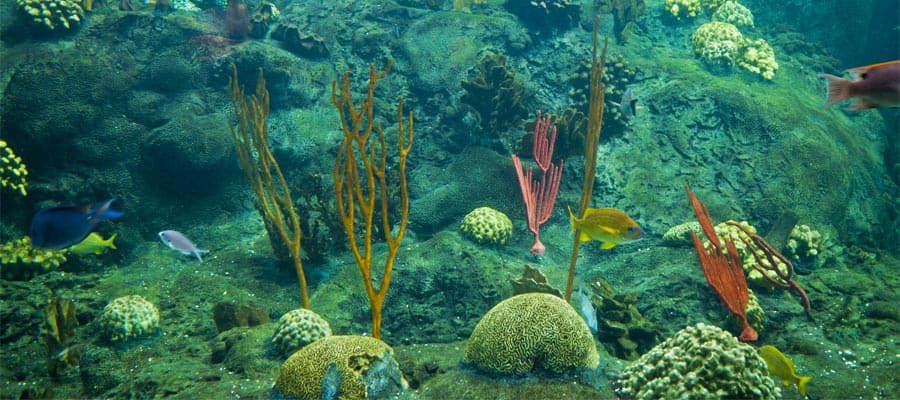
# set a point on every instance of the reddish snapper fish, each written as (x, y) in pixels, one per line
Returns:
(177, 241)
(876, 85)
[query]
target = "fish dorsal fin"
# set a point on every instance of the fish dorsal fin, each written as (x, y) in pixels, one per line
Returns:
(607, 245)
(860, 71)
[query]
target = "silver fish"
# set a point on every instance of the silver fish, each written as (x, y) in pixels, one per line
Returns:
(177, 241)
(587, 310)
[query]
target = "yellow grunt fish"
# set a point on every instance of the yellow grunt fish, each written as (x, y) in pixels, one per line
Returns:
(608, 225)
(94, 244)
(782, 368)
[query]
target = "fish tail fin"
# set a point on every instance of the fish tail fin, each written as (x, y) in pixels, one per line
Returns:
(838, 89)
(571, 219)
(112, 240)
(103, 211)
(801, 384)
(199, 253)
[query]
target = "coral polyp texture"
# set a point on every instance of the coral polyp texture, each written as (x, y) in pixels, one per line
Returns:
(13, 174)
(531, 332)
(758, 57)
(680, 235)
(699, 362)
(683, 8)
(727, 231)
(128, 317)
(733, 13)
(487, 225)
(19, 260)
(356, 367)
(298, 328)
(53, 14)
(717, 42)
(722, 43)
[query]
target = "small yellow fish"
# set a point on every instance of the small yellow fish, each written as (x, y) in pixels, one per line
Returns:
(783, 368)
(608, 225)
(94, 244)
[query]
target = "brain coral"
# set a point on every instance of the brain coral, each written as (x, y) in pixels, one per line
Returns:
(356, 367)
(531, 331)
(298, 328)
(487, 225)
(699, 362)
(128, 317)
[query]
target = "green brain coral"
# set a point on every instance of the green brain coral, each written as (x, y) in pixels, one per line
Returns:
(529, 332)
(699, 362)
(487, 225)
(354, 367)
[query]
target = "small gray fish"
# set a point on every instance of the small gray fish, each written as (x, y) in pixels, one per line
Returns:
(587, 310)
(331, 383)
(628, 105)
(177, 241)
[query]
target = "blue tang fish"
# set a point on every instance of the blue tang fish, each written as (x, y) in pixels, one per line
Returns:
(57, 228)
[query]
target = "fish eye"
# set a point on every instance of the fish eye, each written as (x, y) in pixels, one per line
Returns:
(630, 229)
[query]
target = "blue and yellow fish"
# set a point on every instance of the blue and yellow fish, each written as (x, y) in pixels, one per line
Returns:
(782, 368)
(608, 225)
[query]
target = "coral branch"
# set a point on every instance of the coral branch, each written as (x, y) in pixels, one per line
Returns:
(722, 268)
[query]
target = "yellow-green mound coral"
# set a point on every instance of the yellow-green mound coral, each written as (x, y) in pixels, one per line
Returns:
(758, 57)
(717, 42)
(52, 14)
(12, 170)
(699, 362)
(355, 367)
(298, 328)
(733, 13)
(128, 317)
(19, 260)
(726, 230)
(683, 8)
(531, 331)
(722, 43)
(487, 225)
(680, 235)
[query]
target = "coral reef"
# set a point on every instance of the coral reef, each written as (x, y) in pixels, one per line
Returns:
(19, 260)
(733, 13)
(497, 97)
(680, 235)
(683, 8)
(618, 73)
(58, 332)
(757, 57)
(723, 44)
(52, 14)
(727, 231)
(12, 170)
(625, 14)
(532, 331)
(357, 367)
(128, 317)
(298, 328)
(545, 15)
(717, 42)
(809, 249)
(699, 362)
(229, 314)
(487, 225)
(621, 327)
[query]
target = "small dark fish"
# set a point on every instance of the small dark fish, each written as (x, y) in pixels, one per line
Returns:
(56, 228)
(628, 105)
(876, 85)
